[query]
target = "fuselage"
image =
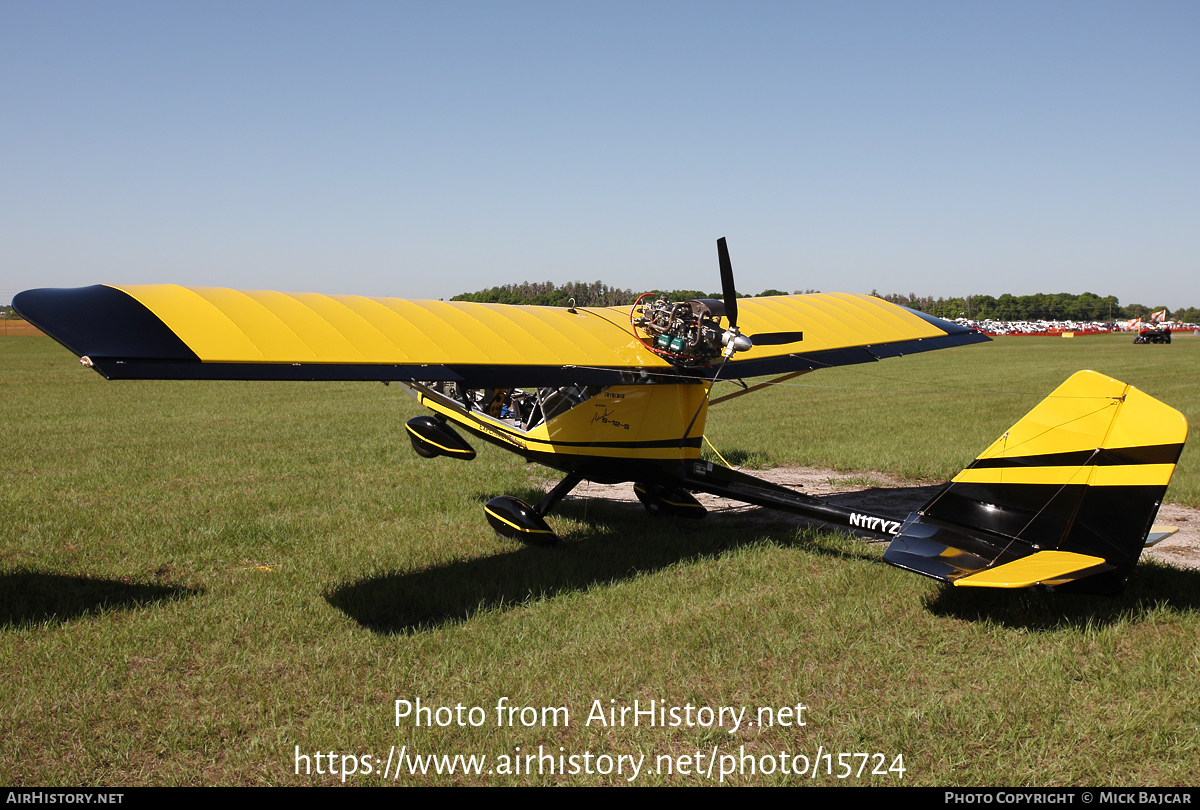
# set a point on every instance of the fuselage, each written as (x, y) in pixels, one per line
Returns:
(613, 434)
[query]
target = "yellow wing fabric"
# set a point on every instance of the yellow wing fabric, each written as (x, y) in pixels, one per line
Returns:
(830, 321)
(837, 329)
(231, 326)
(173, 332)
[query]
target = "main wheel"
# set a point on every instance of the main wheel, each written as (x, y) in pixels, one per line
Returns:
(674, 501)
(517, 520)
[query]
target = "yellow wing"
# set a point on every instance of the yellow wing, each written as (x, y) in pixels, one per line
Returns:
(838, 329)
(173, 332)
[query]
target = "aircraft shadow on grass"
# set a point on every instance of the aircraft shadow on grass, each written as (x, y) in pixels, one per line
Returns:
(1152, 585)
(35, 598)
(616, 541)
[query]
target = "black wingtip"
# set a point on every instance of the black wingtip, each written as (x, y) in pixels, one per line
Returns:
(102, 322)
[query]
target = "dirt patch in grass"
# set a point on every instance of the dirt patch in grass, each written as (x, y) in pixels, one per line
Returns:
(888, 495)
(10, 327)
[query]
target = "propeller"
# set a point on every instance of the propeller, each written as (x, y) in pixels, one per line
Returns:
(727, 289)
(733, 339)
(777, 338)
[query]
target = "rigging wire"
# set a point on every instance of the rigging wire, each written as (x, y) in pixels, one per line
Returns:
(667, 377)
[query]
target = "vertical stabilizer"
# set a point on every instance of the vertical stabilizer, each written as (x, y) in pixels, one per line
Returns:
(1081, 475)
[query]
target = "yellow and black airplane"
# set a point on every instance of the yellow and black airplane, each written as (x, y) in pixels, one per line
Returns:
(1065, 499)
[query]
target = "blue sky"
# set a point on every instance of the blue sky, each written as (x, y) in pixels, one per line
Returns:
(421, 150)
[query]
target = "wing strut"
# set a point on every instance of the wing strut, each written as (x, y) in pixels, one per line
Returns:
(758, 387)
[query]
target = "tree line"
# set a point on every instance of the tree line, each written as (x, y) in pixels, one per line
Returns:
(596, 294)
(1039, 307)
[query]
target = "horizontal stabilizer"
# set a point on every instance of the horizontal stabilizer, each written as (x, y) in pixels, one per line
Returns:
(1159, 533)
(1044, 567)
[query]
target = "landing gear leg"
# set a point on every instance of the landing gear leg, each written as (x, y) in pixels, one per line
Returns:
(561, 489)
(517, 520)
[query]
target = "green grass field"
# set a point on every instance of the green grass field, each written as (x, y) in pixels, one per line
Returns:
(199, 580)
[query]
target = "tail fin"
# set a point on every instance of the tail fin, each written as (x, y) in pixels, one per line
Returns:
(1065, 498)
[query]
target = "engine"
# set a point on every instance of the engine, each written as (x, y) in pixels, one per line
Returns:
(683, 332)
